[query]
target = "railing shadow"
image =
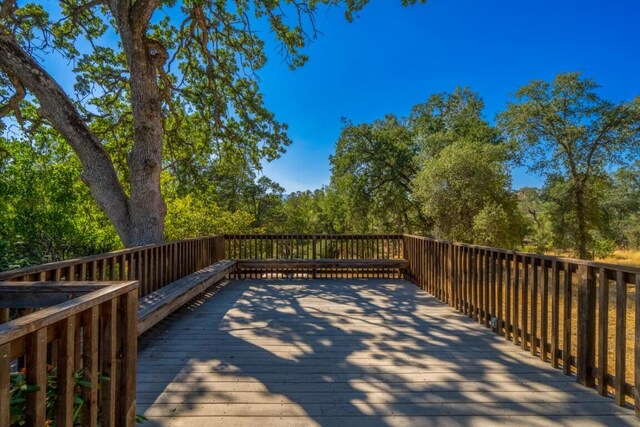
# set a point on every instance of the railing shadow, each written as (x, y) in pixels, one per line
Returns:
(345, 352)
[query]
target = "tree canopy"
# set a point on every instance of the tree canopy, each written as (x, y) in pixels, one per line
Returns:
(159, 85)
(572, 136)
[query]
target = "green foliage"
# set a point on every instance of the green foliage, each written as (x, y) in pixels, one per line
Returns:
(449, 117)
(465, 190)
(566, 132)
(46, 213)
(190, 216)
(622, 207)
(307, 212)
(19, 389)
(372, 170)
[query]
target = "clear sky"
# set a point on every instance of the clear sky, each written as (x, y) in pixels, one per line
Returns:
(392, 58)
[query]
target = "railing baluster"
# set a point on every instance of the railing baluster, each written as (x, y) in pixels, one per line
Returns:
(65, 367)
(36, 375)
(5, 367)
(621, 336)
(603, 332)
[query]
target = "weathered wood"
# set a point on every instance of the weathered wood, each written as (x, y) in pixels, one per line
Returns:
(90, 367)
(621, 336)
(36, 375)
(65, 369)
(524, 320)
(43, 294)
(586, 333)
(109, 364)
(322, 263)
(151, 267)
(555, 314)
(128, 353)
(603, 333)
(526, 314)
(353, 349)
(534, 307)
(566, 315)
(159, 304)
(544, 313)
(5, 367)
(636, 345)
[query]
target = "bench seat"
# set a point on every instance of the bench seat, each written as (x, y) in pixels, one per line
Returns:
(157, 305)
(321, 263)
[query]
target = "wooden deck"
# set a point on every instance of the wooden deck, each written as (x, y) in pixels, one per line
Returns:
(347, 352)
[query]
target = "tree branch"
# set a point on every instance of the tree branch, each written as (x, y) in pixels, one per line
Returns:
(14, 102)
(55, 106)
(142, 10)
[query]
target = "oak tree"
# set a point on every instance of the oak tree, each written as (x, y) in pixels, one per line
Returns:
(566, 130)
(159, 84)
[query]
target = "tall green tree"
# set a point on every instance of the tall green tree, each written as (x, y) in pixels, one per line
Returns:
(372, 171)
(450, 117)
(466, 191)
(145, 70)
(564, 129)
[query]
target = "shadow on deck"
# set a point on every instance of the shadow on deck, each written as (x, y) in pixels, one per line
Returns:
(347, 352)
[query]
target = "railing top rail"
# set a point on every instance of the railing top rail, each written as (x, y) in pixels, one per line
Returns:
(34, 269)
(304, 235)
(41, 319)
(595, 264)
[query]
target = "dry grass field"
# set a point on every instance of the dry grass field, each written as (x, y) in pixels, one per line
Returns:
(623, 256)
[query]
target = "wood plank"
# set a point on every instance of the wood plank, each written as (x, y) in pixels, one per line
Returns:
(5, 366)
(158, 305)
(323, 263)
(603, 334)
(36, 375)
(43, 294)
(41, 319)
(302, 349)
(586, 333)
(109, 362)
(621, 336)
(566, 315)
(65, 369)
(128, 350)
(90, 366)
(636, 346)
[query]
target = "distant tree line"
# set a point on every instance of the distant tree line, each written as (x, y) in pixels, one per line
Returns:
(443, 170)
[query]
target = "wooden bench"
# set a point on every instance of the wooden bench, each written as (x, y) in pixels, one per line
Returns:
(157, 305)
(321, 263)
(317, 266)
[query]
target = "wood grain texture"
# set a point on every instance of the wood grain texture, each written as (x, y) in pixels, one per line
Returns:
(346, 352)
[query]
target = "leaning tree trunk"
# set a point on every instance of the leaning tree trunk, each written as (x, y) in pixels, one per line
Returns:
(139, 218)
(56, 107)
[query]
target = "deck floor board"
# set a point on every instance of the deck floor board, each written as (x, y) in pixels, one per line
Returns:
(347, 352)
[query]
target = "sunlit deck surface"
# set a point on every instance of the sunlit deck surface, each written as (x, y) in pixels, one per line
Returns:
(347, 352)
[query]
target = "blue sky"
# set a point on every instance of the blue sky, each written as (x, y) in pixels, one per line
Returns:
(392, 58)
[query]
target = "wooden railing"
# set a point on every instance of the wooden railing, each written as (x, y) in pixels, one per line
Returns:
(153, 266)
(86, 345)
(314, 247)
(578, 315)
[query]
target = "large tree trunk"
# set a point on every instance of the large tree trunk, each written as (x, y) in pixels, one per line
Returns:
(146, 205)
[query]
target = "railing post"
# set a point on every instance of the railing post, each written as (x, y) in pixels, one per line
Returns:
(128, 356)
(452, 301)
(586, 325)
(313, 255)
